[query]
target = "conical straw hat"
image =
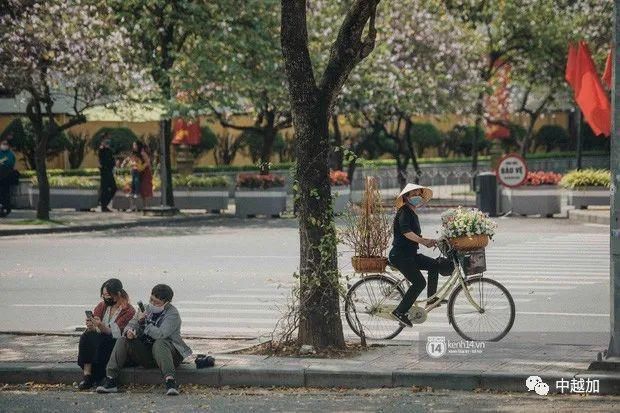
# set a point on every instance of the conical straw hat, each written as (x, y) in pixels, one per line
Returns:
(427, 194)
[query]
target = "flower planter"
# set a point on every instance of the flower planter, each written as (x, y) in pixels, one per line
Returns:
(252, 202)
(545, 200)
(79, 199)
(342, 196)
(124, 203)
(20, 195)
(580, 198)
(211, 199)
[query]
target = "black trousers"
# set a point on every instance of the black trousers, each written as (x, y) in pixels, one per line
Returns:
(410, 265)
(108, 188)
(6, 182)
(95, 348)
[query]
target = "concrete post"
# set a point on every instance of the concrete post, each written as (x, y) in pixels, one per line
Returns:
(614, 343)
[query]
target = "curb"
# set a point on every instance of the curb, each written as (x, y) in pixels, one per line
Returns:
(580, 215)
(104, 227)
(315, 377)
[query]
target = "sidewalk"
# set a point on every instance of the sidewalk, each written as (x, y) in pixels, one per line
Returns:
(500, 366)
(24, 222)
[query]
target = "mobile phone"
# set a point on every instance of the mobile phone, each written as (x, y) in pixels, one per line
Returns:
(141, 306)
(89, 314)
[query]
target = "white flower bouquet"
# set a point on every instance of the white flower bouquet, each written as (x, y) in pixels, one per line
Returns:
(464, 222)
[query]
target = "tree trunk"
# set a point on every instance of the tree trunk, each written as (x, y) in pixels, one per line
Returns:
(320, 322)
(269, 137)
(167, 134)
(336, 152)
(525, 145)
(43, 207)
(401, 171)
(474, 143)
(412, 154)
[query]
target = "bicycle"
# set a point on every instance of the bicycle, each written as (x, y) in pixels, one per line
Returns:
(370, 301)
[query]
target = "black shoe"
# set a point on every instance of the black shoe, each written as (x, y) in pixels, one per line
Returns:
(106, 209)
(87, 382)
(109, 386)
(402, 318)
(171, 388)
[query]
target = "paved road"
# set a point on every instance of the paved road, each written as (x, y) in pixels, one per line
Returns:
(231, 277)
(198, 399)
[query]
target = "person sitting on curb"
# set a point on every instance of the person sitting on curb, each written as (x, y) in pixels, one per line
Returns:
(153, 340)
(103, 327)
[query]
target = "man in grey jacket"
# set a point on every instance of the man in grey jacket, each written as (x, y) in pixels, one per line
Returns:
(151, 340)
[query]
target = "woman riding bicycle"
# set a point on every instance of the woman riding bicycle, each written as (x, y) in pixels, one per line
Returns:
(404, 254)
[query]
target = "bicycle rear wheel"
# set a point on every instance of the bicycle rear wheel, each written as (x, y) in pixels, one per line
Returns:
(371, 301)
(497, 313)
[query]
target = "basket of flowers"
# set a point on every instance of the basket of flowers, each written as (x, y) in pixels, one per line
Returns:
(467, 229)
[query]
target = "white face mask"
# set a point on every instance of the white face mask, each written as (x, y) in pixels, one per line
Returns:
(156, 309)
(4, 147)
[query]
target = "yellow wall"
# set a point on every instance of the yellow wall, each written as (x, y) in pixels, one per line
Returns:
(143, 129)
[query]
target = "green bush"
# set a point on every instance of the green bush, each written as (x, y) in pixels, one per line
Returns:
(193, 181)
(586, 177)
(121, 139)
(551, 137)
(241, 168)
(69, 182)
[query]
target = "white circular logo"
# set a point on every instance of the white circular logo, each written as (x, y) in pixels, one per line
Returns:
(436, 346)
(511, 170)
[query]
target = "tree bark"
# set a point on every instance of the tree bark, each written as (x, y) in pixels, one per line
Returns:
(474, 143)
(167, 134)
(336, 152)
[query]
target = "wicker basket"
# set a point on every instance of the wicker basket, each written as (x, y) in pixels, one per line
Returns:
(369, 264)
(475, 242)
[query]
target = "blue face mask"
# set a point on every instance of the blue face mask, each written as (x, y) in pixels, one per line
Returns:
(415, 201)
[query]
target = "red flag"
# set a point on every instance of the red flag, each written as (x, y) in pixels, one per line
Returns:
(590, 95)
(607, 74)
(193, 133)
(571, 67)
(179, 132)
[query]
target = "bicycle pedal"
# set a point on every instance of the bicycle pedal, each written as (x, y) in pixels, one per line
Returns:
(417, 315)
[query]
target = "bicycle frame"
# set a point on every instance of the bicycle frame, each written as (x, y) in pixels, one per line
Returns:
(458, 276)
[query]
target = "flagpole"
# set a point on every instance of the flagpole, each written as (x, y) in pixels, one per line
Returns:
(579, 120)
(614, 343)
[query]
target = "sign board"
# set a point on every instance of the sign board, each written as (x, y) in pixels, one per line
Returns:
(511, 170)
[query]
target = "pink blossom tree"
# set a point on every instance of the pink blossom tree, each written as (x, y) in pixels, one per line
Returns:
(62, 51)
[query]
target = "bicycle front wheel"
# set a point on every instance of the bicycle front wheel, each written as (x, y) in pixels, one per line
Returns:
(495, 317)
(368, 305)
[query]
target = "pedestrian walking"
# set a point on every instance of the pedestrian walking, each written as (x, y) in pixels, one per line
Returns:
(107, 183)
(8, 176)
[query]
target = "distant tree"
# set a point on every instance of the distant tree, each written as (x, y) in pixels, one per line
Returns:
(121, 139)
(24, 140)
